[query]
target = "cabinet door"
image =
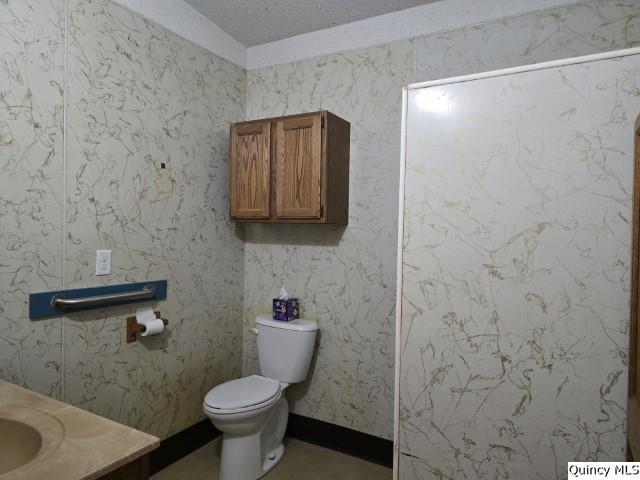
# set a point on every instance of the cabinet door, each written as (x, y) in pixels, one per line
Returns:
(250, 170)
(298, 166)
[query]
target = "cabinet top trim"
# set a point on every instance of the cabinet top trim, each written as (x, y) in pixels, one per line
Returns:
(323, 113)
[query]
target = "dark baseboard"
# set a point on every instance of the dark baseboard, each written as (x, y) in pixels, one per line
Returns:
(310, 430)
(341, 439)
(182, 444)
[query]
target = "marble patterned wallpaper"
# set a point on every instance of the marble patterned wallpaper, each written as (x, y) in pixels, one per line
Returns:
(136, 96)
(346, 277)
(31, 172)
(516, 266)
(581, 29)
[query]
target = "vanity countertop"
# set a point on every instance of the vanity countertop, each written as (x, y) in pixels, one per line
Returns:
(76, 444)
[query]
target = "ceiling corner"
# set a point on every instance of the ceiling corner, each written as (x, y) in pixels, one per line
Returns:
(184, 20)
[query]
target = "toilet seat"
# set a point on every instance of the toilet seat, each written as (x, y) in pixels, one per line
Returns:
(243, 395)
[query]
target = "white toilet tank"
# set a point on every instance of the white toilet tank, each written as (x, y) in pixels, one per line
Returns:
(285, 348)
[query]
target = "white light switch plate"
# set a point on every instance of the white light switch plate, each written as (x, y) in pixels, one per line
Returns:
(103, 262)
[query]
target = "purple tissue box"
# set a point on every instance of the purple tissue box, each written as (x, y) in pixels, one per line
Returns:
(286, 310)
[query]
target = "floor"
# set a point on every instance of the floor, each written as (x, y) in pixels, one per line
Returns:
(301, 460)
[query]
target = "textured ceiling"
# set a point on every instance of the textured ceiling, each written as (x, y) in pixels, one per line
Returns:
(254, 22)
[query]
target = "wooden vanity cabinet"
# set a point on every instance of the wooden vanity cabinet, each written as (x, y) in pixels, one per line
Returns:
(292, 169)
(137, 469)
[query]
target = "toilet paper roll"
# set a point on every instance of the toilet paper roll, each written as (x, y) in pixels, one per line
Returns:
(153, 327)
(144, 315)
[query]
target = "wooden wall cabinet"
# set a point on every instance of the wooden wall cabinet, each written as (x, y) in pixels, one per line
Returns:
(292, 169)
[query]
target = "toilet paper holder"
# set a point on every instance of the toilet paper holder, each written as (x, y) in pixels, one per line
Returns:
(134, 328)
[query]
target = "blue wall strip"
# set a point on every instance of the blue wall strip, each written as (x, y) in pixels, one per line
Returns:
(40, 303)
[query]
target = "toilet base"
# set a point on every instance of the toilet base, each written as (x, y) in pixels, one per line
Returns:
(234, 468)
(272, 459)
(237, 459)
(251, 456)
(235, 464)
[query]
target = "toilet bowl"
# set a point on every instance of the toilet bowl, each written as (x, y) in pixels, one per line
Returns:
(241, 409)
(252, 412)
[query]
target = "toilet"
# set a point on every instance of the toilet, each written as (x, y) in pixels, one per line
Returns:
(252, 412)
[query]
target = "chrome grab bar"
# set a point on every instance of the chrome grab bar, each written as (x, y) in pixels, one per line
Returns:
(147, 292)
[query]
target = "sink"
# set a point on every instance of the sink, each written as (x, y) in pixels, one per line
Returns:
(21, 443)
(29, 436)
(43, 438)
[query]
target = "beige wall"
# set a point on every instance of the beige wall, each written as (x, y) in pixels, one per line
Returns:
(136, 96)
(516, 272)
(346, 278)
(31, 195)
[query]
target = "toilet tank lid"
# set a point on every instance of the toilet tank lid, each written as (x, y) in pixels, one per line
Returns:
(299, 324)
